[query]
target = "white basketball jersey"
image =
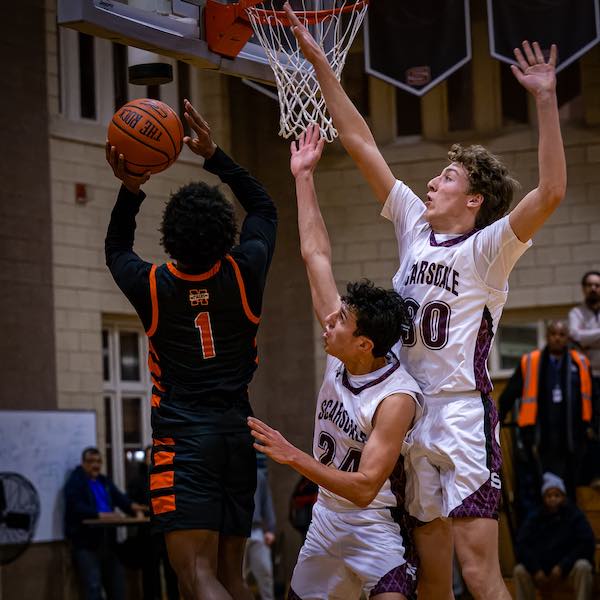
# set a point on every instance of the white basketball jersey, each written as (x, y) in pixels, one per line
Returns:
(344, 420)
(455, 312)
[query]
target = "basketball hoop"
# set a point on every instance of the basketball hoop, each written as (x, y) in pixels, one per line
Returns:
(334, 25)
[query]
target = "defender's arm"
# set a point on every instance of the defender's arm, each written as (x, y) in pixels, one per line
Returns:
(538, 77)
(355, 135)
(381, 452)
(314, 239)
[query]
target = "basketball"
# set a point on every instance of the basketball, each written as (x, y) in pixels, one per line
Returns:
(148, 133)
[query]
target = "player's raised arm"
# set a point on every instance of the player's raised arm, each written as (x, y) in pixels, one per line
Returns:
(538, 77)
(355, 135)
(314, 239)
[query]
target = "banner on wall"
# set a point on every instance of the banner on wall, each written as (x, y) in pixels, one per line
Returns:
(573, 25)
(416, 44)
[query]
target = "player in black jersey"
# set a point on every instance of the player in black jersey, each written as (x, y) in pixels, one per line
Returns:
(201, 313)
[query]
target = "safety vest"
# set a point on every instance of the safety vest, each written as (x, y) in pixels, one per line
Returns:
(530, 368)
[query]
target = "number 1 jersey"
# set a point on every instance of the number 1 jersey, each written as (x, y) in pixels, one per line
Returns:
(203, 333)
(201, 326)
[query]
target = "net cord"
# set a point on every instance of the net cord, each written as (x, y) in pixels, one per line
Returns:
(300, 98)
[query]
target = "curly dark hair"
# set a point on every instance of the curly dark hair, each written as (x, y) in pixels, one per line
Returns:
(488, 177)
(380, 314)
(198, 226)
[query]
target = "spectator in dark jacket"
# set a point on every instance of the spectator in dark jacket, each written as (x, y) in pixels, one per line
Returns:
(555, 543)
(90, 495)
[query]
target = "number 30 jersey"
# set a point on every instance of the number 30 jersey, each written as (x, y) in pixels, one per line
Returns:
(455, 288)
(344, 421)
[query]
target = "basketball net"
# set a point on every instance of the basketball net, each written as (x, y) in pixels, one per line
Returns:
(334, 25)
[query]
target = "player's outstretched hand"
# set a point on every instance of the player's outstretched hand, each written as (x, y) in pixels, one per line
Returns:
(311, 50)
(536, 75)
(270, 442)
(117, 164)
(202, 144)
(307, 151)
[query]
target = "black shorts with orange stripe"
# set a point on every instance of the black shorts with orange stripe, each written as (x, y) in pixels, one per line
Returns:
(203, 481)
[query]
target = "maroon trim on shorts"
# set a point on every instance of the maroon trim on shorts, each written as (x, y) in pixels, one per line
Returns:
(485, 502)
(400, 580)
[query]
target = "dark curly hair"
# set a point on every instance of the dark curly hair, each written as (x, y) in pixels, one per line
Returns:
(380, 314)
(198, 226)
(488, 177)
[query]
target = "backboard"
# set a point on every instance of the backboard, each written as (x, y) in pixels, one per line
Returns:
(172, 28)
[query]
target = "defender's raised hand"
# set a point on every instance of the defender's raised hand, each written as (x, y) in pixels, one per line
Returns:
(535, 74)
(202, 144)
(310, 49)
(307, 151)
(117, 163)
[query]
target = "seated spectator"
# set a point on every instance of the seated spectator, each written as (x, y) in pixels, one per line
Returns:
(555, 415)
(257, 559)
(90, 495)
(556, 543)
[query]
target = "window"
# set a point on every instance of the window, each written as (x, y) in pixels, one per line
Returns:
(87, 76)
(184, 89)
(126, 401)
(94, 79)
(119, 53)
(511, 342)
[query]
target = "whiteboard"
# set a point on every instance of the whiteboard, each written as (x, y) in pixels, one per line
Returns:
(45, 446)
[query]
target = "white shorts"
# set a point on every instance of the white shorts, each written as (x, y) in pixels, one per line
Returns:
(348, 552)
(452, 460)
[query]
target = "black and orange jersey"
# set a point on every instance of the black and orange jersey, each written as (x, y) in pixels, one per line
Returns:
(201, 326)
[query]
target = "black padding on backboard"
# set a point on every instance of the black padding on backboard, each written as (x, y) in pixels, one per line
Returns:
(415, 44)
(570, 24)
